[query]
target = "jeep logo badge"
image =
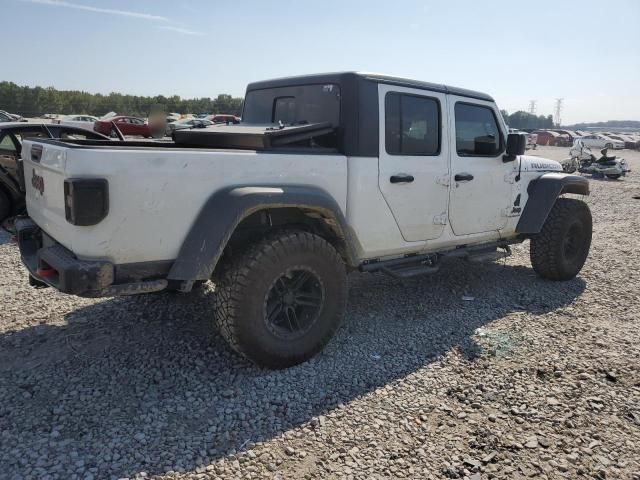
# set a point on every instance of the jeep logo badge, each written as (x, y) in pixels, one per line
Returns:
(37, 182)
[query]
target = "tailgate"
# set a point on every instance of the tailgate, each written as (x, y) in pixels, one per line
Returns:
(44, 175)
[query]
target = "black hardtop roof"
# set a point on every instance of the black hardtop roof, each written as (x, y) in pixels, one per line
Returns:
(342, 77)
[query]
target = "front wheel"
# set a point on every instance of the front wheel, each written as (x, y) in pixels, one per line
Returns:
(613, 176)
(609, 145)
(281, 301)
(559, 251)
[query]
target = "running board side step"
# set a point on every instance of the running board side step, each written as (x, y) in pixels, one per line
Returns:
(414, 265)
(405, 267)
(409, 271)
(488, 256)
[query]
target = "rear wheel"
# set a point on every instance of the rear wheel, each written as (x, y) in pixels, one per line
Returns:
(559, 251)
(280, 302)
(5, 206)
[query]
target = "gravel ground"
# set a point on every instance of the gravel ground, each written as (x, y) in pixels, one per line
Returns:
(524, 378)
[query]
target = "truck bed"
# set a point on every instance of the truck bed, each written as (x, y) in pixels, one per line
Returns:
(156, 189)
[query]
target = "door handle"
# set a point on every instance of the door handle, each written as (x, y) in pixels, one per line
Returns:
(401, 179)
(463, 177)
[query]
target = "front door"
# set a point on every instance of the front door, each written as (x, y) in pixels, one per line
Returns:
(414, 159)
(480, 190)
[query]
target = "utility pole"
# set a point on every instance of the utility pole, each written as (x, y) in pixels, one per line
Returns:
(532, 107)
(558, 111)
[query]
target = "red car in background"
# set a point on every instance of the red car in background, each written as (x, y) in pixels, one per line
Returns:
(126, 125)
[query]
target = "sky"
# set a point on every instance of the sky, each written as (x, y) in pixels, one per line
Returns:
(586, 52)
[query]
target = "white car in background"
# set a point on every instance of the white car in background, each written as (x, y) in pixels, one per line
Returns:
(187, 123)
(597, 140)
(81, 121)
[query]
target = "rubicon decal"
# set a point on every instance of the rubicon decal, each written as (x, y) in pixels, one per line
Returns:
(544, 166)
(37, 182)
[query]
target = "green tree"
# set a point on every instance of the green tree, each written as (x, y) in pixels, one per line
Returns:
(521, 119)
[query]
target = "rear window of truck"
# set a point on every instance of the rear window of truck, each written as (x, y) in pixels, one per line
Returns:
(293, 105)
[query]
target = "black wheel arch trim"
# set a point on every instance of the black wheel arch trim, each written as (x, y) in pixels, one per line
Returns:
(225, 209)
(543, 192)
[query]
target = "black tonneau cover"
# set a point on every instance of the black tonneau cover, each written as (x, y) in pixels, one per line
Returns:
(252, 137)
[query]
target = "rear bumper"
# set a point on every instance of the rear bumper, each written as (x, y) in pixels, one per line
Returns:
(51, 263)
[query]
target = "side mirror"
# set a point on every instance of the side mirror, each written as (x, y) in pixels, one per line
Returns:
(516, 145)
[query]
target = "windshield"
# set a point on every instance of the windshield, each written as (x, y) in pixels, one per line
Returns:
(293, 105)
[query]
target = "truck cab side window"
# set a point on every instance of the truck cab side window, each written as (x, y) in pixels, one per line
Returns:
(412, 125)
(477, 132)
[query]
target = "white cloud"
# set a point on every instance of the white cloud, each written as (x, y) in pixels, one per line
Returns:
(107, 11)
(183, 31)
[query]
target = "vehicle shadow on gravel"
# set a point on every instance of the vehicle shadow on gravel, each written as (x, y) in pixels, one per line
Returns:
(146, 384)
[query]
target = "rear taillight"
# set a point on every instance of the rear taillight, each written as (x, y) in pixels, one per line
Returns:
(86, 200)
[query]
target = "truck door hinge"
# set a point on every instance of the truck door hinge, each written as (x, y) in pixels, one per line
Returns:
(440, 219)
(510, 177)
(443, 180)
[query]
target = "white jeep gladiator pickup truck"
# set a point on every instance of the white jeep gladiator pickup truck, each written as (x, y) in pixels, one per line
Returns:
(325, 174)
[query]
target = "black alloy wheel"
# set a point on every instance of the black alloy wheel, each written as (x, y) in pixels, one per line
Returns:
(293, 303)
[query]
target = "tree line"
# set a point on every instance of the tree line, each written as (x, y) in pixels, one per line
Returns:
(608, 124)
(37, 101)
(527, 120)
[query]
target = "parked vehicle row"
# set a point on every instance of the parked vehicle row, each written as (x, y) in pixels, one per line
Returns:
(566, 138)
(630, 141)
(134, 126)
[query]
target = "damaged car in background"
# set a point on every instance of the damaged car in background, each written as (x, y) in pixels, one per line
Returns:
(11, 138)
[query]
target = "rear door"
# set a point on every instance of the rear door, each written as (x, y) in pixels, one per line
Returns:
(480, 187)
(414, 159)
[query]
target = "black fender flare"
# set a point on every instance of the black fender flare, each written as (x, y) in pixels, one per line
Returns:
(543, 192)
(225, 209)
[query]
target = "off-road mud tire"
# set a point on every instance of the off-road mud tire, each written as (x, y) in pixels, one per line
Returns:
(561, 248)
(242, 285)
